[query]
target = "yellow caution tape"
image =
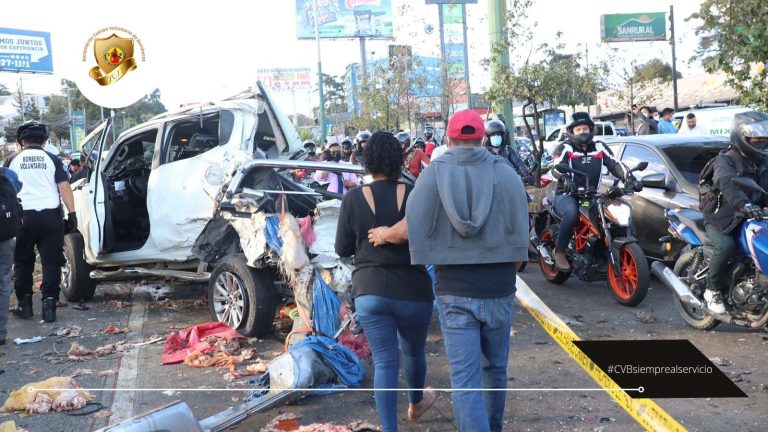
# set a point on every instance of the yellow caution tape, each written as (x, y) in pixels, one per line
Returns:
(645, 411)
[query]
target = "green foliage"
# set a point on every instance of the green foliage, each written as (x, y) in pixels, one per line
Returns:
(4, 90)
(734, 41)
(654, 69)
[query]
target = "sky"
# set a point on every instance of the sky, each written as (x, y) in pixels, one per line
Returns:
(202, 50)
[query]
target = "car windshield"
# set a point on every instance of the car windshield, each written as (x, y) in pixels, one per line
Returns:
(690, 158)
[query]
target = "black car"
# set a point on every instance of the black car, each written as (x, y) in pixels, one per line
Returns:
(680, 158)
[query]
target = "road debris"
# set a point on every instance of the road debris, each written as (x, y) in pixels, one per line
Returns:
(113, 330)
(103, 414)
(256, 368)
(79, 352)
(179, 304)
(10, 426)
(108, 372)
(118, 304)
(645, 317)
(37, 397)
(33, 371)
(80, 372)
(20, 341)
(70, 331)
(179, 345)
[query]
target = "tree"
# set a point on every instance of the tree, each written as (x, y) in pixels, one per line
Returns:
(4, 90)
(654, 69)
(627, 89)
(734, 41)
(30, 109)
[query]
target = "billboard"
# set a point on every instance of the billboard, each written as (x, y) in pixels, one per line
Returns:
(78, 129)
(344, 18)
(25, 51)
(651, 26)
(285, 79)
(455, 49)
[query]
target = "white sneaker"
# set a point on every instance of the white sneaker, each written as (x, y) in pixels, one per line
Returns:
(714, 301)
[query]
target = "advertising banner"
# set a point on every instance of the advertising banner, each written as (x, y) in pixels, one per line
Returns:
(344, 18)
(285, 79)
(25, 51)
(454, 49)
(650, 26)
(78, 129)
(553, 120)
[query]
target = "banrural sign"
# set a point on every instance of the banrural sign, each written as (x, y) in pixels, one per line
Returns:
(650, 26)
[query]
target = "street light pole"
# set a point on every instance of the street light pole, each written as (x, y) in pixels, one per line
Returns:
(321, 109)
(674, 58)
(497, 29)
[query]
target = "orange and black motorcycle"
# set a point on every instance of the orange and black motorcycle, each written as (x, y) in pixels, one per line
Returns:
(603, 245)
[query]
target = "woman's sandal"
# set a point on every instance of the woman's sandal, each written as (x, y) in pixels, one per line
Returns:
(416, 411)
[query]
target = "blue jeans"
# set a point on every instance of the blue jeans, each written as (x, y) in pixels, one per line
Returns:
(476, 332)
(384, 321)
(568, 207)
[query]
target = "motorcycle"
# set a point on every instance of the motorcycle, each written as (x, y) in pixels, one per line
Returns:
(603, 244)
(746, 302)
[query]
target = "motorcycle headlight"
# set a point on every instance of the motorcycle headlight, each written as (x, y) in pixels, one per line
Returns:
(618, 213)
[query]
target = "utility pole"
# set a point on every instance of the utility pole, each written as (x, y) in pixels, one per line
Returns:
(69, 117)
(674, 58)
(497, 30)
(321, 108)
(363, 62)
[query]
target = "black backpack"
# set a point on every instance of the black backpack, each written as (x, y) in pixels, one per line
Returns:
(707, 190)
(10, 209)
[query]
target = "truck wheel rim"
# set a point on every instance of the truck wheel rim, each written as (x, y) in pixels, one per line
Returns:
(228, 299)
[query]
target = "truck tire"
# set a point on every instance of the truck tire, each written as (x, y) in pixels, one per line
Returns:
(242, 297)
(76, 282)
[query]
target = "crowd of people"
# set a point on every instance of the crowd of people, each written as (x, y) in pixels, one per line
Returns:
(652, 123)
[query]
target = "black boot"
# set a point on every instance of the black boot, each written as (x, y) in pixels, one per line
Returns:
(49, 309)
(24, 309)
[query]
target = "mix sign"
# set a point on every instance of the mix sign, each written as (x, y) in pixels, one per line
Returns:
(285, 79)
(634, 27)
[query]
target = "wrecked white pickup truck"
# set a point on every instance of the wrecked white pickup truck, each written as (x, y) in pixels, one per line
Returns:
(192, 195)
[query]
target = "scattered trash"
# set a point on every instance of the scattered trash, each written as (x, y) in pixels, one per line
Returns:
(764, 387)
(717, 361)
(27, 396)
(357, 343)
(283, 422)
(108, 372)
(179, 346)
(645, 317)
(80, 372)
(256, 368)
(231, 376)
(20, 341)
(81, 307)
(118, 304)
(10, 426)
(160, 292)
(171, 393)
(363, 426)
(69, 331)
(102, 414)
(290, 422)
(79, 352)
(179, 304)
(607, 419)
(569, 321)
(112, 330)
(68, 401)
(31, 372)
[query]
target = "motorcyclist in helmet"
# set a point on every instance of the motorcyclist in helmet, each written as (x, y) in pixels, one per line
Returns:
(497, 141)
(419, 143)
(414, 159)
(346, 149)
(430, 141)
(311, 149)
(581, 153)
(361, 139)
(747, 157)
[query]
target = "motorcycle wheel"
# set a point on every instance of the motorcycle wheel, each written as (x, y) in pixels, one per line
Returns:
(695, 317)
(630, 287)
(550, 272)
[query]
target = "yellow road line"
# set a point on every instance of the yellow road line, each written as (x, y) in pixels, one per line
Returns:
(645, 411)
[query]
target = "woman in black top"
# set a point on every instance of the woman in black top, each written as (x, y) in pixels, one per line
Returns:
(393, 298)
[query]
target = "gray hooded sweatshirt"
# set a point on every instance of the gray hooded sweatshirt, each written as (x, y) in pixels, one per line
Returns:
(468, 207)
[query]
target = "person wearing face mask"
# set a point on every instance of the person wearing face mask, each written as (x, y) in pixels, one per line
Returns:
(497, 140)
(429, 141)
(649, 125)
(337, 182)
(346, 149)
(583, 154)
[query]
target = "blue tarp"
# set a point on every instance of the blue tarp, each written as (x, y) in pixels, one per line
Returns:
(325, 309)
(272, 233)
(341, 359)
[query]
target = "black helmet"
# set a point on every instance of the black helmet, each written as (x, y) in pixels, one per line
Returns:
(495, 127)
(420, 144)
(429, 132)
(346, 143)
(750, 124)
(362, 136)
(404, 138)
(581, 118)
(32, 130)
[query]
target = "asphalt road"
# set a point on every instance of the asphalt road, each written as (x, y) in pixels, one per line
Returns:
(536, 361)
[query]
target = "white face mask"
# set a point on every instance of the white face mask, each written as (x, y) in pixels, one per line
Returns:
(496, 140)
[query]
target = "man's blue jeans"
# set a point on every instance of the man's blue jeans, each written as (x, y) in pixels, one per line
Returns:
(476, 337)
(384, 321)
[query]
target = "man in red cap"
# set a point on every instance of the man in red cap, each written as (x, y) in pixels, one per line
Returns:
(468, 215)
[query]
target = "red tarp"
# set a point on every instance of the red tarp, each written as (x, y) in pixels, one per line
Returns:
(190, 340)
